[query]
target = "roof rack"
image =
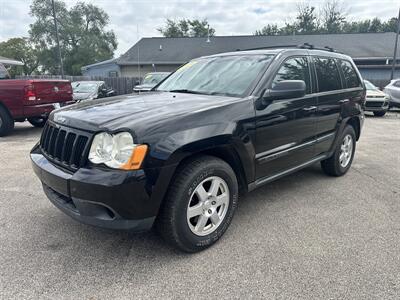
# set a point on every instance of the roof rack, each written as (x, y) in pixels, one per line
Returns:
(312, 47)
(301, 46)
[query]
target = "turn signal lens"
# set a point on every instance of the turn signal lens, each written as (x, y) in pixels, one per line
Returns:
(136, 159)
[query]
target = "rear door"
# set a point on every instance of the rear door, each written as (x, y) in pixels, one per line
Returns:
(285, 129)
(330, 101)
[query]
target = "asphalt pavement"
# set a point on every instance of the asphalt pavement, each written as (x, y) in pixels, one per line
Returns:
(306, 236)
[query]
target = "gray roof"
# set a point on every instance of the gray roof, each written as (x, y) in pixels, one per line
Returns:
(159, 50)
(104, 62)
(9, 61)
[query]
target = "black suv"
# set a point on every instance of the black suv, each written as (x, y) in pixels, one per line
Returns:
(178, 156)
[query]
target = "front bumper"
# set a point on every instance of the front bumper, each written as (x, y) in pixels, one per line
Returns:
(374, 104)
(106, 198)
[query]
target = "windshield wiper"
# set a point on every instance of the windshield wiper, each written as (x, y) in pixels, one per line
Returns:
(185, 91)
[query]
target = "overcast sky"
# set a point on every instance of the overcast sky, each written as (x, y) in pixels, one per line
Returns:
(228, 17)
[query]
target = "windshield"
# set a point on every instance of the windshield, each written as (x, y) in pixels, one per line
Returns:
(225, 75)
(369, 85)
(153, 79)
(84, 87)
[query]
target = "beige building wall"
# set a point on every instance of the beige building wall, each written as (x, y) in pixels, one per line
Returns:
(132, 71)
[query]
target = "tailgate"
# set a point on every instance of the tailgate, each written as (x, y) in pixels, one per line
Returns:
(52, 91)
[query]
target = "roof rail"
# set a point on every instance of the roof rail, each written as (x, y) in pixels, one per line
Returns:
(301, 46)
(312, 47)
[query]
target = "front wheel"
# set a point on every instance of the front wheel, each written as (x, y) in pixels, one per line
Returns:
(199, 205)
(37, 121)
(339, 163)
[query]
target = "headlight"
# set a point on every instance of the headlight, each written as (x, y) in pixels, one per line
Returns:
(117, 151)
(387, 97)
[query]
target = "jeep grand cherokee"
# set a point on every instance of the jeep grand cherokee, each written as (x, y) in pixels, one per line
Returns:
(177, 157)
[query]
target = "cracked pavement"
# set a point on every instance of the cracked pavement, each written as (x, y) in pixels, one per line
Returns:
(305, 236)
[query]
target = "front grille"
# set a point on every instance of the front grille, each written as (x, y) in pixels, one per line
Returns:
(65, 146)
(374, 103)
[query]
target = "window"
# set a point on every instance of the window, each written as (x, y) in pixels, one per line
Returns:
(397, 83)
(350, 75)
(230, 75)
(327, 74)
(295, 68)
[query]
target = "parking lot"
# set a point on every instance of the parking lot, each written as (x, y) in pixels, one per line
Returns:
(304, 236)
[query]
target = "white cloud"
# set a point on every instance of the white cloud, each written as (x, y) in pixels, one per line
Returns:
(227, 17)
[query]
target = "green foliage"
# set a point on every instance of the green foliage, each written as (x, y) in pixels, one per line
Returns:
(186, 28)
(330, 19)
(20, 49)
(84, 38)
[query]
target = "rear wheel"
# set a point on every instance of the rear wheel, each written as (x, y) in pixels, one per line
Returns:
(379, 113)
(339, 163)
(6, 122)
(37, 121)
(199, 205)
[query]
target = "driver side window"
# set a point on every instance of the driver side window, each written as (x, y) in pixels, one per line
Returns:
(295, 68)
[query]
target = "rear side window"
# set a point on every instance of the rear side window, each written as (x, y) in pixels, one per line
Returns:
(349, 74)
(397, 83)
(295, 68)
(327, 74)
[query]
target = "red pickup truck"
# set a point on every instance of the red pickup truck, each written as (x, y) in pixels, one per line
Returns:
(31, 100)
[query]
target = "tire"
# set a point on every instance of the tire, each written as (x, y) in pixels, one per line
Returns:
(6, 122)
(37, 121)
(184, 231)
(379, 113)
(333, 165)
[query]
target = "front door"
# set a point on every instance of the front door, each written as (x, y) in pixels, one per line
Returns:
(285, 129)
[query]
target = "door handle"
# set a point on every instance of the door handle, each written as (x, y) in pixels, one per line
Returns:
(311, 108)
(344, 101)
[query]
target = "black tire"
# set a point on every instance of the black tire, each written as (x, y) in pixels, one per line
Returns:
(172, 222)
(37, 121)
(332, 165)
(6, 122)
(379, 113)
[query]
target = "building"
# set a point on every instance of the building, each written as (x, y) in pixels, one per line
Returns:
(10, 62)
(372, 52)
(107, 68)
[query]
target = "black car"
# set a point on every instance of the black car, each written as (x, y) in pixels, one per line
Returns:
(218, 126)
(89, 90)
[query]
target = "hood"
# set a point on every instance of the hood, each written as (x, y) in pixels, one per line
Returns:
(83, 96)
(142, 111)
(375, 93)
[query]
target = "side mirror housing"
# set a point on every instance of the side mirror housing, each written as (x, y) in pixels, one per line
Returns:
(286, 89)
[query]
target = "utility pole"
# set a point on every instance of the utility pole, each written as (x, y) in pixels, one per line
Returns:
(57, 40)
(395, 47)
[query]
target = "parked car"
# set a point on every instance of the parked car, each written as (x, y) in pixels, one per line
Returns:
(179, 156)
(376, 100)
(393, 90)
(30, 100)
(89, 90)
(150, 81)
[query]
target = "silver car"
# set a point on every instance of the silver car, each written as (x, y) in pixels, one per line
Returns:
(393, 90)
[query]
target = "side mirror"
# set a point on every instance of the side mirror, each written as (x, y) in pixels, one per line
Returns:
(286, 89)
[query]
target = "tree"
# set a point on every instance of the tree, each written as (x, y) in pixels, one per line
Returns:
(307, 21)
(84, 38)
(268, 30)
(186, 28)
(333, 17)
(20, 49)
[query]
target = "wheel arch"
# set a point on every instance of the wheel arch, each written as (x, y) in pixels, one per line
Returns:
(355, 123)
